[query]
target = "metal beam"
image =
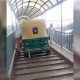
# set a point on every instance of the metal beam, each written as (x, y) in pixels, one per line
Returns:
(26, 2)
(52, 7)
(28, 15)
(51, 2)
(22, 7)
(35, 11)
(32, 8)
(39, 8)
(44, 3)
(17, 8)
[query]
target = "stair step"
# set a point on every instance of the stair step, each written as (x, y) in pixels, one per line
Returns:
(21, 51)
(45, 74)
(46, 67)
(22, 54)
(61, 77)
(39, 64)
(39, 54)
(36, 61)
(41, 69)
(22, 57)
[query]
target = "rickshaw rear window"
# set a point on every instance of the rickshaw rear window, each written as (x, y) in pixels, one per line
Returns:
(35, 30)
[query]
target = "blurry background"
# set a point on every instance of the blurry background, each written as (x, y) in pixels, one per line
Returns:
(77, 39)
(3, 73)
(51, 18)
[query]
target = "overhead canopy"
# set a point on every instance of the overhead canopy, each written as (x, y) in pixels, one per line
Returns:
(32, 8)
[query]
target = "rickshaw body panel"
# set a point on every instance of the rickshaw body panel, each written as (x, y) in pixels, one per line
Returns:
(32, 42)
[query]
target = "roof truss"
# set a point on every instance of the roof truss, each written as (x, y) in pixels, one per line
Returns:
(25, 9)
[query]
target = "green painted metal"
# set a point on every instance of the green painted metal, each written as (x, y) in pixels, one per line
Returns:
(4, 30)
(35, 44)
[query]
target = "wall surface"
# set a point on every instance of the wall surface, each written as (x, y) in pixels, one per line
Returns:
(77, 40)
(11, 28)
(77, 27)
(3, 73)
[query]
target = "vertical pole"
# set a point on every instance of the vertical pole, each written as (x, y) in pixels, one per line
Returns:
(61, 25)
(22, 11)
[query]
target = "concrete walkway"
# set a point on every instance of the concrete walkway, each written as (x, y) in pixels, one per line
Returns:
(66, 53)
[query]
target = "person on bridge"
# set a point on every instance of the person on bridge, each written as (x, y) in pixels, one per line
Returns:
(18, 42)
(50, 34)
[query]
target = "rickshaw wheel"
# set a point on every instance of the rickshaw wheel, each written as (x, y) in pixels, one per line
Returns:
(48, 52)
(26, 55)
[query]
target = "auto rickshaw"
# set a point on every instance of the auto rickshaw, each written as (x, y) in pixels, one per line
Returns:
(34, 37)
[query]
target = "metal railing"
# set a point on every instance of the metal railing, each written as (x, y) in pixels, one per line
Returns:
(67, 41)
(67, 38)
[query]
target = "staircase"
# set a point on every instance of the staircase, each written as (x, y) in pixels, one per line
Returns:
(47, 67)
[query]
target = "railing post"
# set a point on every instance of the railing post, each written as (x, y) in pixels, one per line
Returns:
(61, 25)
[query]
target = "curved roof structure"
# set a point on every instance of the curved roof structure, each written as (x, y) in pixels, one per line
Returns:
(25, 9)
